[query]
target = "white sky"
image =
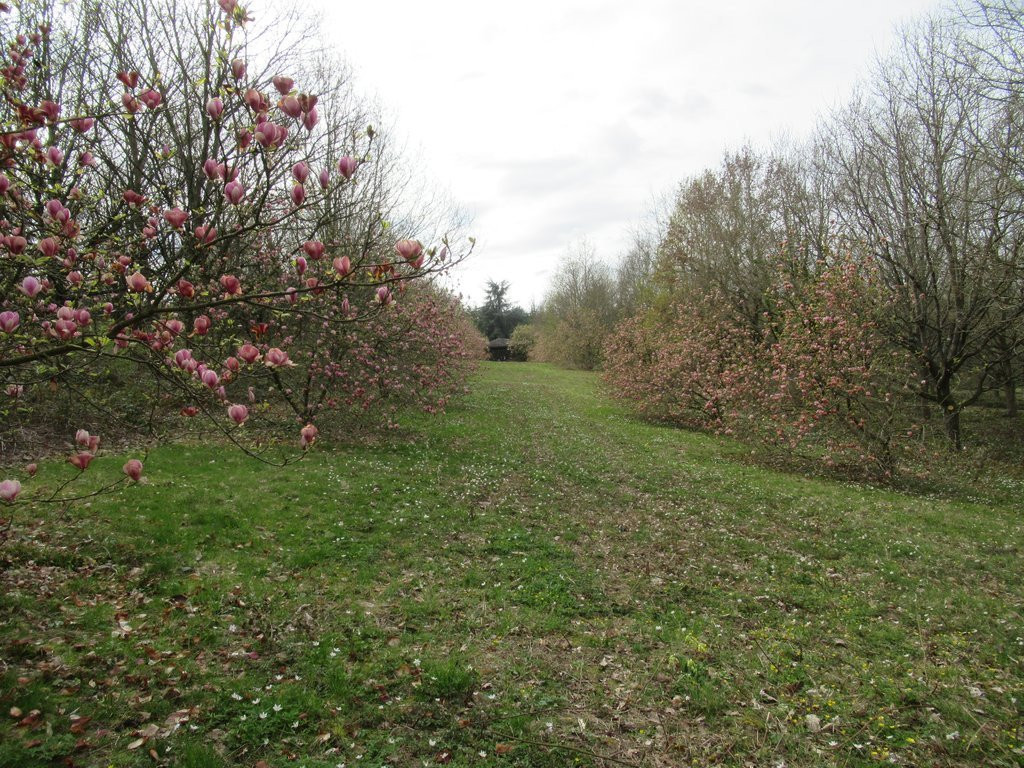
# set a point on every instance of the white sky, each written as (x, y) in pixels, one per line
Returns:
(553, 120)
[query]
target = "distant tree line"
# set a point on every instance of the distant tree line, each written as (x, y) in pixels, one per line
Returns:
(847, 293)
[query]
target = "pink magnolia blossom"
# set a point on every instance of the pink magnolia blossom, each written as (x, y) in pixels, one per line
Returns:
(185, 288)
(175, 326)
(298, 194)
(9, 490)
(310, 119)
(205, 235)
(130, 79)
(234, 192)
(9, 321)
(270, 134)
(325, 178)
(64, 329)
(255, 100)
(284, 85)
(30, 286)
(83, 124)
(31, 469)
(137, 283)
(300, 172)
(290, 106)
(238, 413)
(210, 378)
(232, 364)
(132, 197)
(232, 285)
(313, 248)
(409, 250)
(383, 295)
(215, 108)
(133, 468)
(54, 156)
(212, 169)
(300, 266)
(81, 461)
(201, 325)
(237, 69)
(307, 435)
(87, 441)
(176, 217)
(277, 358)
(16, 244)
(54, 208)
(342, 265)
(76, 277)
(151, 98)
(249, 353)
(48, 247)
(347, 166)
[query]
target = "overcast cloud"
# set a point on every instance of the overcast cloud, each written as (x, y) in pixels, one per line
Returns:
(549, 121)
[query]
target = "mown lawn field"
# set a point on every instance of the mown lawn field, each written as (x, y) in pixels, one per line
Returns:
(534, 579)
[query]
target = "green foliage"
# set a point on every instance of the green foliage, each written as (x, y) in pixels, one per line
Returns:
(523, 341)
(496, 318)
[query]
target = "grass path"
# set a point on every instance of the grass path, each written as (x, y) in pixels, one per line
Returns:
(534, 579)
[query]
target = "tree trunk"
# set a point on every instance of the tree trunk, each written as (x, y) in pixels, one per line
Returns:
(1010, 395)
(950, 414)
(926, 410)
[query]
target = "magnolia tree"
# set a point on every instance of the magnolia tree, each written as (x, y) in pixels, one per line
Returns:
(203, 233)
(690, 364)
(835, 380)
(820, 376)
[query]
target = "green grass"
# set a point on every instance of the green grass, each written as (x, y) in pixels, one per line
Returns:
(536, 576)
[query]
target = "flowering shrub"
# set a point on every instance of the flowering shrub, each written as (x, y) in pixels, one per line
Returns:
(834, 376)
(688, 364)
(200, 233)
(820, 375)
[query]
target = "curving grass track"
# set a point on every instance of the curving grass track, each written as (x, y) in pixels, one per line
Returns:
(534, 579)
